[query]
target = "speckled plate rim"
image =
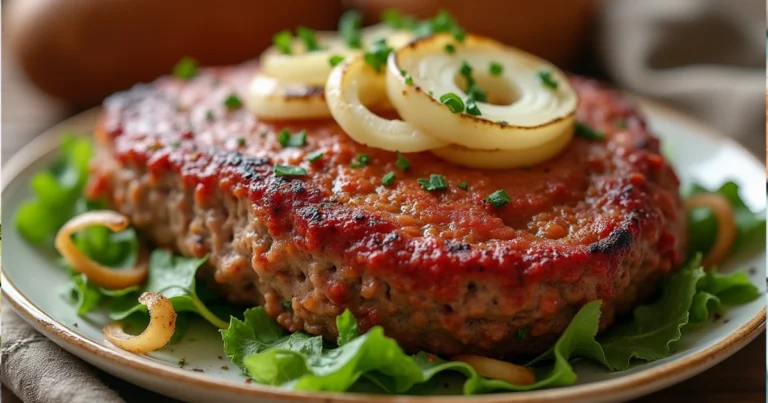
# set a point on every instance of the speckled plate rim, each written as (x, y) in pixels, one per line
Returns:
(621, 388)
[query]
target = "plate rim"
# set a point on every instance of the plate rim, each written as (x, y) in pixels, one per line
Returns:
(632, 385)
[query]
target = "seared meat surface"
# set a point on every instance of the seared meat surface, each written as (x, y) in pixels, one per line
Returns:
(441, 271)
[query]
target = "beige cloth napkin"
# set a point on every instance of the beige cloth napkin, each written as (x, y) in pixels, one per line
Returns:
(704, 56)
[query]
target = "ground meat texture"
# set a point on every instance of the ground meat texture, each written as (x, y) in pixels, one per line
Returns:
(445, 271)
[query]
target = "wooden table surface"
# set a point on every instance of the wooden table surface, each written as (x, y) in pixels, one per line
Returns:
(26, 113)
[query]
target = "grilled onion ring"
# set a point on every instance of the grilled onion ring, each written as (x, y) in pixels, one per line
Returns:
(502, 159)
(98, 274)
(537, 116)
(495, 369)
(348, 81)
(313, 68)
(726, 225)
(162, 324)
(268, 98)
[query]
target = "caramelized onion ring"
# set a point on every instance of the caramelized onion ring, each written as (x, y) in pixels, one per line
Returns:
(496, 369)
(348, 81)
(98, 274)
(536, 114)
(270, 98)
(502, 159)
(726, 225)
(162, 324)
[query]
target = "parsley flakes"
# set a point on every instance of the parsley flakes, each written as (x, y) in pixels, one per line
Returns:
(435, 182)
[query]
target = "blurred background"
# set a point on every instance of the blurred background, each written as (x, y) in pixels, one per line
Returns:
(704, 57)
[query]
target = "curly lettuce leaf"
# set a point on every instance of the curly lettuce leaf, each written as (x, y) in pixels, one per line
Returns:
(56, 192)
(702, 225)
(174, 277)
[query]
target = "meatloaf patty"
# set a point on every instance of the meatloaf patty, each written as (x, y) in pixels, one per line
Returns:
(441, 271)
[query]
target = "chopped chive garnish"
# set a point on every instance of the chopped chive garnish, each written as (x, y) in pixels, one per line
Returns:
(585, 131)
(286, 139)
(450, 49)
(453, 102)
(459, 34)
(314, 156)
(241, 141)
(394, 19)
(360, 161)
(502, 122)
(435, 182)
(402, 163)
(521, 333)
(233, 102)
(289, 170)
(388, 178)
(496, 68)
(283, 41)
(621, 123)
(209, 115)
(403, 73)
(408, 80)
(335, 60)
(498, 198)
(472, 108)
(185, 69)
(376, 55)
(431, 94)
(349, 28)
(309, 38)
(463, 185)
(547, 80)
(473, 91)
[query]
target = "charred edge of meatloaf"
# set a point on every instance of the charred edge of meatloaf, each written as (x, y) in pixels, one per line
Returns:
(478, 322)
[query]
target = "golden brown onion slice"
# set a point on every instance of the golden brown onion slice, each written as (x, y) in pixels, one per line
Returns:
(162, 324)
(268, 98)
(101, 275)
(534, 113)
(346, 84)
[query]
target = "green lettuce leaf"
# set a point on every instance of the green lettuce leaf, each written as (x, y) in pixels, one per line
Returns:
(56, 192)
(174, 277)
(702, 225)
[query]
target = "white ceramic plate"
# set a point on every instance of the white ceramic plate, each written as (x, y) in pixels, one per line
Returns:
(34, 286)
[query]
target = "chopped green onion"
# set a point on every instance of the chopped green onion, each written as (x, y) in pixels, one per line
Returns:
(435, 182)
(473, 91)
(402, 163)
(233, 102)
(286, 139)
(450, 49)
(388, 178)
(314, 156)
(521, 333)
(185, 69)
(288, 170)
(408, 80)
(309, 38)
(241, 141)
(498, 198)
(453, 102)
(496, 68)
(360, 161)
(442, 22)
(376, 55)
(547, 80)
(466, 71)
(585, 131)
(472, 108)
(283, 41)
(459, 34)
(335, 60)
(463, 185)
(349, 28)
(394, 19)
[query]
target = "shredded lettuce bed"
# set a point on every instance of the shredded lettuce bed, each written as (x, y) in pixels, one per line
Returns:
(265, 352)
